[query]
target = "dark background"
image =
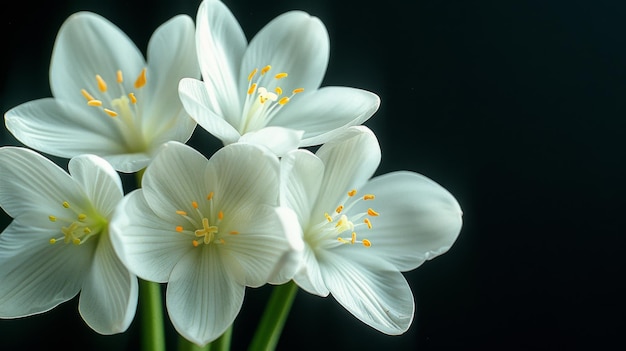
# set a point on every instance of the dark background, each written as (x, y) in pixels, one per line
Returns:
(517, 108)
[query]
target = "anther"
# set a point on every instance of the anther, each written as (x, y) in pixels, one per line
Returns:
(194, 204)
(119, 76)
(52, 218)
(179, 228)
(368, 223)
(283, 101)
(265, 69)
(220, 215)
(339, 209)
(133, 99)
(233, 232)
(110, 112)
(252, 89)
(210, 196)
(372, 212)
(352, 192)
(366, 243)
(66, 204)
(195, 243)
(94, 102)
(328, 217)
(368, 197)
(278, 90)
(182, 213)
(82, 216)
(281, 75)
(297, 90)
(141, 80)
(87, 96)
(102, 85)
(252, 74)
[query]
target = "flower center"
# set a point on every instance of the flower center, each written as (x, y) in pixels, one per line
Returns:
(199, 226)
(77, 228)
(334, 225)
(264, 99)
(124, 109)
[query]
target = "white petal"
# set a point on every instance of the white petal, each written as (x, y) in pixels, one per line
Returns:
(202, 297)
(370, 289)
(108, 299)
(242, 175)
(128, 162)
(98, 180)
(197, 103)
(36, 276)
(295, 43)
(278, 139)
(418, 220)
(171, 57)
(33, 187)
(173, 180)
(301, 175)
(88, 44)
(220, 43)
(325, 113)
(310, 277)
(350, 160)
(39, 123)
(148, 245)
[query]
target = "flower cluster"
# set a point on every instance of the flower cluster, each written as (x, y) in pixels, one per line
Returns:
(263, 209)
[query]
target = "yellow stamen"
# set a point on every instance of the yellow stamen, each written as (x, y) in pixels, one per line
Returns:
(283, 101)
(179, 228)
(352, 192)
(82, 216)
(339, 209)
(297, 90)
(368, 197)
(210, 196)
(141, 80)
(368, 223)
(194, 204)
(328, 217)
(278, 90)
(182, 213)
(102, 85)
(195, 243)
(220, 215)
(367, 243)
(94, 102)
(353, 240)
(233, 232)
(86, 230)
(252, 74)
(133, 99)
(342, 240)
(66, 204)
(265, 69)
(53, 241)
(252, 89)
(76, 241)
(119, 76)
(87, 96)
(110, 112)
(281, 75)
(52, 218)
(372, 212)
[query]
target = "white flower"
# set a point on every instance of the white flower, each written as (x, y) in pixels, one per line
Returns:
(108, 100)
(361, 233)
(58, 243)
(267, 91)
(208, 229)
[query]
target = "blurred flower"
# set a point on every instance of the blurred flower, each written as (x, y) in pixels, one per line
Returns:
(267, 91)
(96, 108)
(58, 243)
(208, 229)
(361, 233)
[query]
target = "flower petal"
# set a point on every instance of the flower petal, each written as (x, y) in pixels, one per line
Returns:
(242, 175)
(418, 221)
(36, 276)
(197, 102)
(88, 44)
(309, 277)
(148, 245)
(220, 43)
(202, 297)
(278, 139)
(171, 57)
(371, 289)
(295, 43)
(108, 299)
(323, 114)
(349, 161)
(301, 175)
(33, 187)
(98, 180)
(39, 123)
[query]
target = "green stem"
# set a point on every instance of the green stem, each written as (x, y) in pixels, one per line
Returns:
(151, 307)
(271, 326)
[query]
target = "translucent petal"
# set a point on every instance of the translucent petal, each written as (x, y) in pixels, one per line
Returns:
(310, 276)
(221, 44)
(99, 181)
(278, 139)
(36, 276)
(202, 297)
(88, 44)
(295, 43)
(371, 289)
(108, 299)
(301, 175)
(323, 114)
(418, 220)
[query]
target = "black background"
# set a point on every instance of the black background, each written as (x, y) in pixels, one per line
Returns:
(517, 108)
